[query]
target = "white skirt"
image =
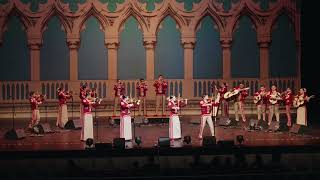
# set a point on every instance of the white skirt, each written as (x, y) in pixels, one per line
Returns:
(62, 117)
(174, 127)
(302, 115)
(87, 128)
(125, 127)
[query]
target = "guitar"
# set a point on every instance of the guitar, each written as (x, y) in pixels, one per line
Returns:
(274, 98)
(299, 101)
(235, 92)
(257, 99)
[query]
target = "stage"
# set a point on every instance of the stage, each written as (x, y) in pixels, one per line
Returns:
(68, 140)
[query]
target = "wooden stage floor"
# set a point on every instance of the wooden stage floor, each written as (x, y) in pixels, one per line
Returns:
(63, 140)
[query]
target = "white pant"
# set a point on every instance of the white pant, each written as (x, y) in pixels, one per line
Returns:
(125, 127)
(204, 119)
(174, 127)
(87, 128)
(62, 117)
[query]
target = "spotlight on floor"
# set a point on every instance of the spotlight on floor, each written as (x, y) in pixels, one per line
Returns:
(240, 139)
(138, 140)
(89, 143)
(187, 139)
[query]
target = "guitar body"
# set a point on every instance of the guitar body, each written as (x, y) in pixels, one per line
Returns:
(257, 99)
(274, 98)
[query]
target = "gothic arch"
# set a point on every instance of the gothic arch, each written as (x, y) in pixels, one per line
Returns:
(92, 12)
(245, 11)
(63, 20)
(177, 18)
(274, 19)
(131, 12)
(216, 18)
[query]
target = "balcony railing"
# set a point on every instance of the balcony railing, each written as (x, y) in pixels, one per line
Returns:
(191, 89)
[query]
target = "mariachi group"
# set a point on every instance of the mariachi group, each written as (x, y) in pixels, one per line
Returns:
(266, 101)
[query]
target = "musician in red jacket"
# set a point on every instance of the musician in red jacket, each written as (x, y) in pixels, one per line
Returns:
(224, 103)
(174, 106)
(118, 92)
(274, 98)
(239, 102)
(161, 89)
(142, 93)
(62, 116)
(87, 122)
(288, 99)
(35, 100)
(206, 112)
(260, 99)
(125, 117)
(82, 95)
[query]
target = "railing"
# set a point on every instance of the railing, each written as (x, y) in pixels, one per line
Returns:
(191, 89)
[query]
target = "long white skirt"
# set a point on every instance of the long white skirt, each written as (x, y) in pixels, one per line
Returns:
(302, 115)
(125, 127)
(62, 117)
(87, 128)
(174, 127)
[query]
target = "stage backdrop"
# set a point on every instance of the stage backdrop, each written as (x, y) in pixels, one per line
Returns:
(79, 40)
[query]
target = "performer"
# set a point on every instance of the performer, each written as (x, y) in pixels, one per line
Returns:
(260, 99)
(224, 103)
(288, 100)
(125, 118)
(62, 116)
(118, 92)
(274, 98)
(174, 122)
(142, 93)
(206, 110)
(82, 95)
(87, 122)
(161, 89)
(300, 102)
(35, 100)
(239, 101)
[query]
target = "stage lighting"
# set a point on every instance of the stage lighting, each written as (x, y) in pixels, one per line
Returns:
(89, 142)
(187, 139)
(138, 140)
(240, 139)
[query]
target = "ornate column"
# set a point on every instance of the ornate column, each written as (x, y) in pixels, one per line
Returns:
(226, 56)
(112, 60)
(264, 62)
(188, 42)
(298, 83)
(149, 44)
(73, 44)
(34, 46)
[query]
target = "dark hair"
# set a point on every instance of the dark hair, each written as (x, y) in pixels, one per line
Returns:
(31, 93)
(141, 79)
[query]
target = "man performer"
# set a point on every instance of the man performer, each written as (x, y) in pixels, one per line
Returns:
(142, 93)
(118, 92)
(62, 117)
(174, 106)
(239, 102)
(260, 99)
(206, 110)
(224, 103)
(161, 89)
(274, 98)
(35, 100)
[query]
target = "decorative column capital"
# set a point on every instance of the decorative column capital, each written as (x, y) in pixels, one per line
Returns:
(112, 45)
(73, 43)
(264, 40)
(149, 41)
(34, 43)
(188, 45)
(226, 42)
